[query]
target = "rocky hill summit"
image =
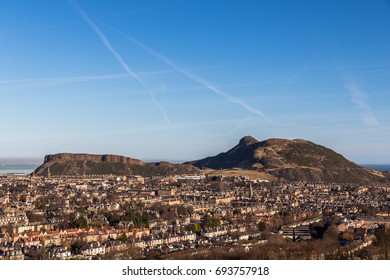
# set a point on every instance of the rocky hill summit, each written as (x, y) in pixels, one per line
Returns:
(291, 160)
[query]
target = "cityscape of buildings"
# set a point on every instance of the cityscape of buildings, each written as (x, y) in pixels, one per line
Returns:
(185, 217)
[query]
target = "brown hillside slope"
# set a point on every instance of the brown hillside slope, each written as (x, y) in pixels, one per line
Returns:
(293, 160)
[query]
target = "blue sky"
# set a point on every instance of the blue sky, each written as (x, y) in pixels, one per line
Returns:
(180, 80)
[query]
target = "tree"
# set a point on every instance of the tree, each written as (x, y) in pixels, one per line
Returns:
(317, 230)
(123, 238)
(145, 219)
(38, 253)
(35, 217)
(383, 240)
(262, 226)
(10, 229)
(76, 246)
(80, 222)
(113, 219)
(138, 219)
(195, 228)
(182, 210)
(332, 234)
(210, 222)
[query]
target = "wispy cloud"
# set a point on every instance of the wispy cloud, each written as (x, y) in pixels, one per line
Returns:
(357, 96)
(303, 68)
(196, 78)
(359, 99)
(117, 56)
(239, 124)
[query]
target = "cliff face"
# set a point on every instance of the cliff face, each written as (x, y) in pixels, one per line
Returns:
(91, 157)
(88, 164)
(292, 160)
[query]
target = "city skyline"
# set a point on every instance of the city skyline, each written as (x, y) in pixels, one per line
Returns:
(179, 81)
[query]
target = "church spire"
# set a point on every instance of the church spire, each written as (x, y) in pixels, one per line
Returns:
(250, 190)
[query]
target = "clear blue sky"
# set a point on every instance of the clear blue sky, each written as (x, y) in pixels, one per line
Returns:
(180, 80)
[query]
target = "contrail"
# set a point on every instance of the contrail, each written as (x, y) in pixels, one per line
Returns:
(7, 85)
(66, 79)
(117, 56)
(196, 79)
(81, 78)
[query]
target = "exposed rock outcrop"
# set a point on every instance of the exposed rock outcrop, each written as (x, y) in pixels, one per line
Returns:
(88, 164)
(293, 160)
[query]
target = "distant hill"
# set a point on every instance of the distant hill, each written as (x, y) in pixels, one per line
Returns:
(80, 164)
(272, 159)
(291, 160)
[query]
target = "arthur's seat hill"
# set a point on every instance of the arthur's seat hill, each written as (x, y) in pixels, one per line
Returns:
(274, 159)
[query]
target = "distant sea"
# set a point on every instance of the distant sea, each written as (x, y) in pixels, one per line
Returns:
(17, 168)
(379, 167)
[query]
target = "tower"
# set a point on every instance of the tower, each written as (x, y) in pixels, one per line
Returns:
(250, 190)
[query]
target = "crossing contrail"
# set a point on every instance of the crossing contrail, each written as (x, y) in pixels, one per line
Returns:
(197, 79)
(117, 56)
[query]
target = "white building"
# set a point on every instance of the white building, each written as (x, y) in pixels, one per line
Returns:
(93, 249)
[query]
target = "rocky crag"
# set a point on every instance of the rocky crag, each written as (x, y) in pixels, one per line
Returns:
(88, 164)
(291, 160)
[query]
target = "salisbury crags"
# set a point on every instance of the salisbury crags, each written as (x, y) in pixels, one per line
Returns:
(80, 164)
(91, 157)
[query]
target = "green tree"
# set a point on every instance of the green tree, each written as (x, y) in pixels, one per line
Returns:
(145, 219)
(80, 222)
(113, 219)
(262, 226)
(210, 222)
(76, 246)
(195, 228)
(10, 229)
(123, 238)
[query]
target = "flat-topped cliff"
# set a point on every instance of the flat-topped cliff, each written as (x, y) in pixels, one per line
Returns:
(88, 164)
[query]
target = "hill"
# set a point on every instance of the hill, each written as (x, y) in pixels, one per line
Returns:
(292, 160)
(80, 164)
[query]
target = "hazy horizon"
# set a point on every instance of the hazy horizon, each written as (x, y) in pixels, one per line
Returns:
(181, 81)
(39, 160)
